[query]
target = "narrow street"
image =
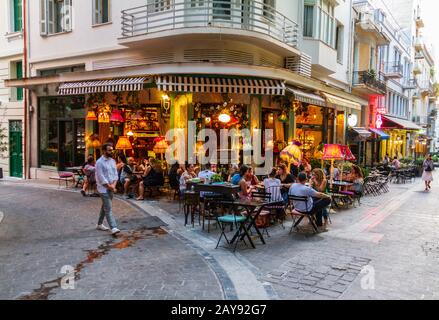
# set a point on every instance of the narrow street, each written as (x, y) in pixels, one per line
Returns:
(385, 249)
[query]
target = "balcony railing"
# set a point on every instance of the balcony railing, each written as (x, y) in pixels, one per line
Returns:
(394, 70)
(410, 84)
(370, 80)
(252, 16)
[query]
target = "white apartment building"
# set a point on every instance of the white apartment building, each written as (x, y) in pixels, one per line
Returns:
(423, 101)
(11, 99)
(285, 63)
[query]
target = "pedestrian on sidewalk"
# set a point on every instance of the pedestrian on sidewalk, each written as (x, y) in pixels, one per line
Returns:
(106, 179)
(427, 175)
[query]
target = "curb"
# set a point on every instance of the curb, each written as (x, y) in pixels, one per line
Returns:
(224, 281)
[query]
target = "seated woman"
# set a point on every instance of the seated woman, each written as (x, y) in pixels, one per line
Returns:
(286, 180)
(127, 176)
(246, 174)
(89, 170)
(319, 183)
(356, 177)
(272, 185)
(189, 173)
(152, 177)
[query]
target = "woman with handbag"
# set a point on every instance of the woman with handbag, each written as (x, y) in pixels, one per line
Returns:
(427, 175)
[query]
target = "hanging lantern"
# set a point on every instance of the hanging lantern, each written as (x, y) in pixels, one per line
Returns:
(283, 117)
(103, 116)
(91, 116)
(116, 116)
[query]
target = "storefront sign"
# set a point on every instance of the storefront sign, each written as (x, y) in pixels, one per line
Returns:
(379, 121)
(352, 120)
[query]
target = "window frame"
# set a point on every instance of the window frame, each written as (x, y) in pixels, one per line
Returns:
(54, 19)
(94, 13)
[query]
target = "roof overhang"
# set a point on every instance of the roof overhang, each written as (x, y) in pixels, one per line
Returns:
(201, 68)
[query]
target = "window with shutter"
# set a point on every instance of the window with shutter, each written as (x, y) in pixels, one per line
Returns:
(55, 16)
(19, 73)
(43, 17)
(18, 15)
(101, 11)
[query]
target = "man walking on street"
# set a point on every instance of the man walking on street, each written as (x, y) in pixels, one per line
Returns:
(106, 179)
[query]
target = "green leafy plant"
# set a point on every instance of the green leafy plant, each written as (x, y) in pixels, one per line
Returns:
(315, 163)
(216, 178)
(435, 158)
(3, 142)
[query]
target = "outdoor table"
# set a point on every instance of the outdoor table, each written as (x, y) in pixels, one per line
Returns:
(342, 184)
(250, 207)
(222, 188)
(78, 172)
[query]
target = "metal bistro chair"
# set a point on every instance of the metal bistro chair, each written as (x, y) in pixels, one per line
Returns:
(211, 205)
(191, 207)
(264, 197)
(301, 214)
(277, 206)
(236, 220)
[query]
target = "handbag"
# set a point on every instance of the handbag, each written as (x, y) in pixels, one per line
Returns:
(428, 169)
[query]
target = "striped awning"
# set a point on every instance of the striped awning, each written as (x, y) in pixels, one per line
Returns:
(97, 86)
(337, 101)
(220, 85)
(306, 97)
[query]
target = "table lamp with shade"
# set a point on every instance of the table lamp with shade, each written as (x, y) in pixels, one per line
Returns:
(93, 143)
(123, 144)
(333, 152)
(160, 146)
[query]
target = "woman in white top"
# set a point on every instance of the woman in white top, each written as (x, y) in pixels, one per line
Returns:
(273, 186)
(427, 175)
(188, 174)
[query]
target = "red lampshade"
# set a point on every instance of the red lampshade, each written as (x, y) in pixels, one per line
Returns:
(348, 155)
(333, 152)
(116, 116)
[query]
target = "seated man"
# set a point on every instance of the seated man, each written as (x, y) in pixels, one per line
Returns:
(127, 176)
(317, 201)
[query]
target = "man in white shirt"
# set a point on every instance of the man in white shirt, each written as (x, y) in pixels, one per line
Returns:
(106, 179)
(206, 174)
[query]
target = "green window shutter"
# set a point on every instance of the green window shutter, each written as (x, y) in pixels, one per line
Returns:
(19, 71)
(18, 15)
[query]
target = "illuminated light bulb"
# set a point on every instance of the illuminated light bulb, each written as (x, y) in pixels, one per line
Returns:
(224, 118)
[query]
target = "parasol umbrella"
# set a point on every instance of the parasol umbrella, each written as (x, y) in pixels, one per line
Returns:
(292, 154)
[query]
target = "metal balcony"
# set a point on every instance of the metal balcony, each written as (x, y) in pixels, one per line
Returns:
(394, 70)
(367, 83)
(206, 16)
(410, 84)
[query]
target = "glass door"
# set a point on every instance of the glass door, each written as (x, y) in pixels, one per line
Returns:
(66, 144)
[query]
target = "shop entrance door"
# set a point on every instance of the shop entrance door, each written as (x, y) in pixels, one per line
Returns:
(71, 141)
(65, 150)
(16, 148)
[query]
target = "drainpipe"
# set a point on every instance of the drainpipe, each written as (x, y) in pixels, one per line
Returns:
(351, 46)
(26, 96)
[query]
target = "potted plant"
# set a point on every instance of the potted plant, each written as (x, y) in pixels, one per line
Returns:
(3, 147)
